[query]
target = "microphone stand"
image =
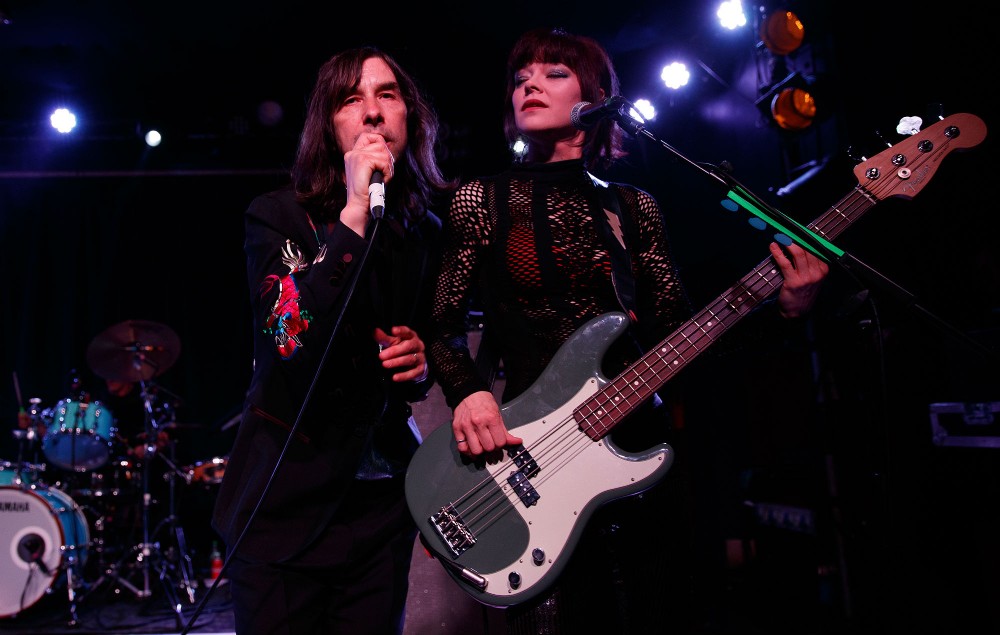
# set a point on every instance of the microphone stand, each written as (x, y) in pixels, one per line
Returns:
(740, 195)
(795, 231)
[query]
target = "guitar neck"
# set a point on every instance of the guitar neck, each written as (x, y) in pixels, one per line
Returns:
(615, 401)
(900, 171)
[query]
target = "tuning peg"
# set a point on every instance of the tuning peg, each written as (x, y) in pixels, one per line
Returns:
(878, 133)
(853, 154)
(909, 125)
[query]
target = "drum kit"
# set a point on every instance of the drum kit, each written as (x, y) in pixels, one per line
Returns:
(76, 481)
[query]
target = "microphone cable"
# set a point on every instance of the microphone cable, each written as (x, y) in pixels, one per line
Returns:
(295, 426)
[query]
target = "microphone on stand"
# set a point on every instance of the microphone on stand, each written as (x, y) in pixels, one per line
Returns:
(586, 115)
(376, 195)
(31, 548)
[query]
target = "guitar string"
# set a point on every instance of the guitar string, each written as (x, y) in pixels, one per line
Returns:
(758, 282)
(834, 222)
(579, 442)
(598, 405)
(540, 453)
(837, 215)
(881, 189)
(612, 407)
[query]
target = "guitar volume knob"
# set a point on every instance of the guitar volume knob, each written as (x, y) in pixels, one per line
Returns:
(514, 579)
(537, 556)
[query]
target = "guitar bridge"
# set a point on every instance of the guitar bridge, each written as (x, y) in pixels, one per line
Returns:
(451, 529)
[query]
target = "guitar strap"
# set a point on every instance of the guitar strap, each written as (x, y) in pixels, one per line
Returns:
(614, 228)
(614, 231)
(619, 228)
(487, 360)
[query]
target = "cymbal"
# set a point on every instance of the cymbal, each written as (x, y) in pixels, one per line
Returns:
(133, 350)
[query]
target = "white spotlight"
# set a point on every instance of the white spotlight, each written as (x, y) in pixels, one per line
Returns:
(63, 120)
(731, 15)
(675, 75)
(644, 109)
(519, 148)
(153, 138)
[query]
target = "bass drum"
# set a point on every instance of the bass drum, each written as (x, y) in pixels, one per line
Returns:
(41, 530)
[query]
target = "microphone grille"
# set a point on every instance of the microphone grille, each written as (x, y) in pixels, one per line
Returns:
(574, 115)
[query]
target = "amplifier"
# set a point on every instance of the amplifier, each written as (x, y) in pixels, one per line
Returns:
(966, 424)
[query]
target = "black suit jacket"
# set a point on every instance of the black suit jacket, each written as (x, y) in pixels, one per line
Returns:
(299, 275)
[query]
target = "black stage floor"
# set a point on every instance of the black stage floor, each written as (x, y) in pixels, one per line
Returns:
(129, 568)
(107, 611)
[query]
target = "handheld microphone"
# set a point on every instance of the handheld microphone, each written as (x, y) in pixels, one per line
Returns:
(376, 195)
(586, 115)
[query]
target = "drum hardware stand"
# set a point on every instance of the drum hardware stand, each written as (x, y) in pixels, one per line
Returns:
(72, 583)
(79, 417)
(136, 351)
(32, 435)
(22, 467)
(184, 560)
(147, 553)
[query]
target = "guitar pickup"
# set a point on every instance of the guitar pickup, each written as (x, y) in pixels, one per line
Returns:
(523, 460)
(518, 480)
(524, 490)
(451, 529)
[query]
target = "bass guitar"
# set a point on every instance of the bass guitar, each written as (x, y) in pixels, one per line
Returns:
(504, 528)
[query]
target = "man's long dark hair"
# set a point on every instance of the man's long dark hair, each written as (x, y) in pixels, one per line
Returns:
(318, 172)
(604, 143)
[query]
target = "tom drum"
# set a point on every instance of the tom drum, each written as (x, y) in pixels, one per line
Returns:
(79, 435)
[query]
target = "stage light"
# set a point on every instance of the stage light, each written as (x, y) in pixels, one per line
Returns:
(519, 148)
(782, 32)
(643, 110)
(793, 108)
(153, 138)
(63, 120)
(792, 103)
(731, 15)
(675, 75)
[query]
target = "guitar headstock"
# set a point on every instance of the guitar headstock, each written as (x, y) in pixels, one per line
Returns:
(906, 167)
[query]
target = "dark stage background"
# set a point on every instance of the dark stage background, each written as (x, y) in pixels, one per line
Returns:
(826, 425)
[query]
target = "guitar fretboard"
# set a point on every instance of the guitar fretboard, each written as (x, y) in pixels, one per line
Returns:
(899, 171)
(598, 415)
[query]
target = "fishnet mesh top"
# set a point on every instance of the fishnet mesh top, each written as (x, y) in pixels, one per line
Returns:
(525, 247)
